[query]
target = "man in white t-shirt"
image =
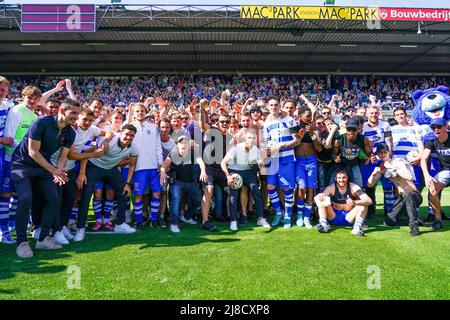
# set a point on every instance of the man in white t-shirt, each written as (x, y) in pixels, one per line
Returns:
(245, 160)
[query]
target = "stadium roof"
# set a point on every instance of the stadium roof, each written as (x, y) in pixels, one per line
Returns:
(216, 40)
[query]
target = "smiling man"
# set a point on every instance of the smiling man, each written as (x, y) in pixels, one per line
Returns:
(441, 147)
(32, 172)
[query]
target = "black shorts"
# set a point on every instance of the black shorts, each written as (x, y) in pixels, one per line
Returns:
(216, 175)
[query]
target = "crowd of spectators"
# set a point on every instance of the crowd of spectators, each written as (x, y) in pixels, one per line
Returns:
(179, 90)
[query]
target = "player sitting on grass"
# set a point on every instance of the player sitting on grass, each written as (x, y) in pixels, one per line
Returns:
(401, 173)
(347, 205)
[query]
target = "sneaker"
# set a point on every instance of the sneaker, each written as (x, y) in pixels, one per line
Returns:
(124, 228)
(23, 250)
(437, 225)
(188, 221)
(80, 235)
(48, 244)
(60, 238)
(233, 226)
(414, 230)
(389, 222)
(322, 228)
(7, 239)
(307, 222)
(162, 224)
(97, 226)
(108, 226)
(154, 224)
(128, 216)
(36, 233)
(357, 231)
(139, 226)
(299, 222)
(208, 226)
(430, 218)
(67, 233)
(243, 220)
(277, 220)
(263, 223)
(287, 223)
(12, 228)
(174, 228)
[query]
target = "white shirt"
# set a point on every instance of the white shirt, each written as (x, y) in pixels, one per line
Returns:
(148, 145)
(5, 106)
(114, 155)
(83, 140)
(241, 159)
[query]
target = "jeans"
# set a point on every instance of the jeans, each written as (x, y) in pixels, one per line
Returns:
(193, 194)
(250, 180)
(114, 178)
(38, 181)
(412, 202)
(68, 194)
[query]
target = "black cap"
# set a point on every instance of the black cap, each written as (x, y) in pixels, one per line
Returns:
(352, 122)
(382, 147)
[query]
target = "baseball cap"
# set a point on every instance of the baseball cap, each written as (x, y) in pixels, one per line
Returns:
(181, 138)
(382, 147)
(438, 121)
(352, 123)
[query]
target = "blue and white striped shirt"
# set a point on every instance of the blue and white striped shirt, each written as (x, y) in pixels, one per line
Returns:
(279, 131)
(377, 134)
(4, 109)
(405, 139)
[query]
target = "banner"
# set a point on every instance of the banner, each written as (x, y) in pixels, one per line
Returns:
(317, 13)
(344, 13)
(404, 14)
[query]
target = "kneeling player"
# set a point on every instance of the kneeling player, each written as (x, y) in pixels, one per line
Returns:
(348, 205)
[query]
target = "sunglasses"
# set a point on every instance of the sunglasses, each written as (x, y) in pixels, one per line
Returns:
(254, 111)
(352, 129)
(328, 112)
(214, 120)
(436, 127)
(225, 121)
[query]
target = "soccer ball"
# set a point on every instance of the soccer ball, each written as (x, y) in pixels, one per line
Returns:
(412, 155)
(237, 181)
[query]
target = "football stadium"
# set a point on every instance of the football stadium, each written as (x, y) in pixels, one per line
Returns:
(239, 150)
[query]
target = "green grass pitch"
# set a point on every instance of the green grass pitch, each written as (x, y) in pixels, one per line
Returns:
(253, 263)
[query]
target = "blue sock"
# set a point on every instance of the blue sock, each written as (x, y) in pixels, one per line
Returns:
(274, 200)
(300, 205)
(389, 199)
(73, 215)
(4, 215)
(138, 211)
(97, 206)
(155, 208)
(12, 211)
(308, 208)
(107, 211)
(288, 202)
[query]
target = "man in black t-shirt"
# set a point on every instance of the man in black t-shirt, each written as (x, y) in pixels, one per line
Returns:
(348, 148)
(182, 179)
(440, 146)
(32, 172)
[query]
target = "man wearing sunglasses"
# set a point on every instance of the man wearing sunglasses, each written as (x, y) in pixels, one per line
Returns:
(441, 147)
